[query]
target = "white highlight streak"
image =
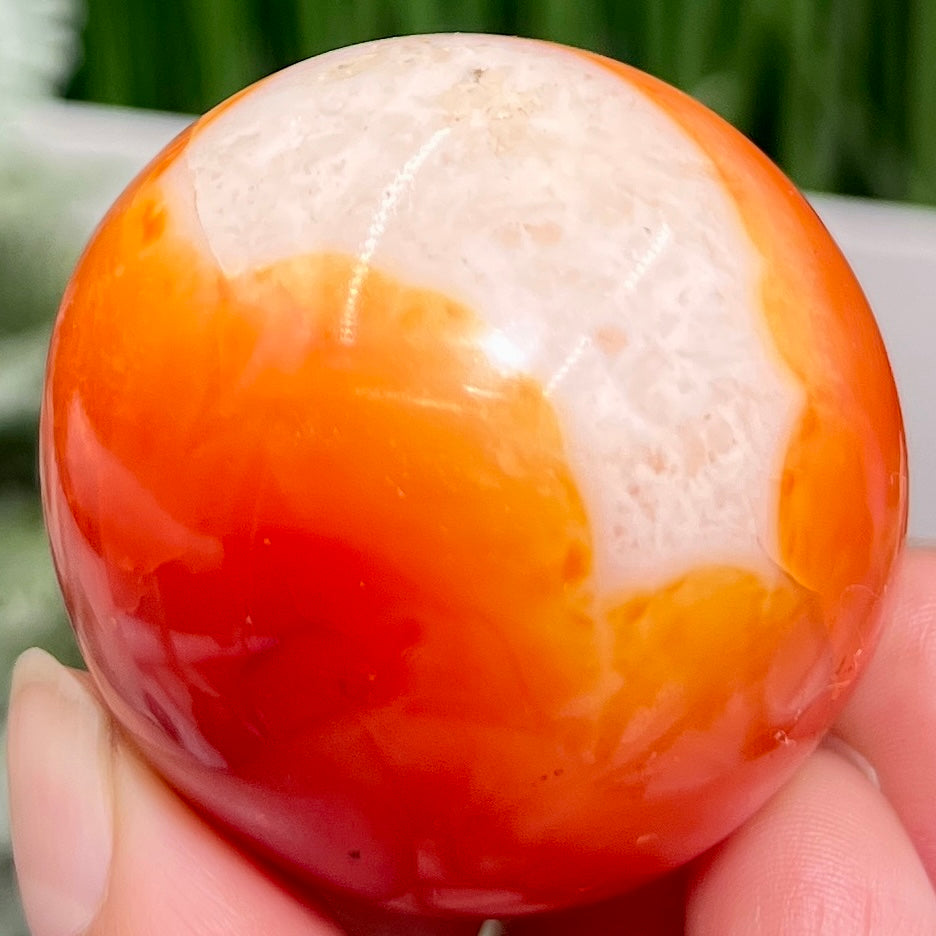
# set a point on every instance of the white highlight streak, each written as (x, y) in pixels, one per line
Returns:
(388, 202)
(657, 245)
(639, 271)
(572, 358)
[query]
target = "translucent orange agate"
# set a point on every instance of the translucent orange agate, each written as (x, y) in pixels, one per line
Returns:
(340, 588)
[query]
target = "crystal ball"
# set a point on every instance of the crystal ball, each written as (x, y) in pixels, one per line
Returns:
(472, 472)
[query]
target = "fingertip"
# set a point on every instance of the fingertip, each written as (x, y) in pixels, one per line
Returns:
(826, 856)
(61, 805)
(891, 717)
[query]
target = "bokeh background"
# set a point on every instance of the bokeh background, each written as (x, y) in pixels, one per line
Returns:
(842, 93)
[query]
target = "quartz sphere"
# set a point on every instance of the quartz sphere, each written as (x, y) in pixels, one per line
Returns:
(472, 473)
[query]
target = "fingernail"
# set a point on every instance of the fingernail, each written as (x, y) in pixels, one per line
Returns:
(60, 796)
(857, 759)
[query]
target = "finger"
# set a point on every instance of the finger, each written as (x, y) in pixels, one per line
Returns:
(103, 847)
(827, 856)
(891, 719)
(654, 910)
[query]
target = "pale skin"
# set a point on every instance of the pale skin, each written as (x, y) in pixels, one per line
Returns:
(848, 847)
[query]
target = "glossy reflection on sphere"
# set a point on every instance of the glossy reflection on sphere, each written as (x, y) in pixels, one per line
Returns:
(472, 472)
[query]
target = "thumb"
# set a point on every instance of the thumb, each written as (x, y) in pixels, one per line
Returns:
(102, 846)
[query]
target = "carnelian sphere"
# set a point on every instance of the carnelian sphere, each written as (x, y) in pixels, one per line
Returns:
(472, 472)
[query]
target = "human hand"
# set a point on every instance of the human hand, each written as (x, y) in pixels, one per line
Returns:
(103, 847)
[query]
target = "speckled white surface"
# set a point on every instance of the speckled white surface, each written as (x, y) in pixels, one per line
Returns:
(578, 221)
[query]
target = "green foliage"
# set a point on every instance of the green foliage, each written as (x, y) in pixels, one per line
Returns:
(841, 92)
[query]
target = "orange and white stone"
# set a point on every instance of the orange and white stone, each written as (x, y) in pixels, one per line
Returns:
(592, 238)
(493, 413)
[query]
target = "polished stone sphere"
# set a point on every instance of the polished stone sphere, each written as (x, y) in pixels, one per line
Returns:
(472, 472)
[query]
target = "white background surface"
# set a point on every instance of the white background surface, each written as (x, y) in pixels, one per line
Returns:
(891, 248)
(893, 252)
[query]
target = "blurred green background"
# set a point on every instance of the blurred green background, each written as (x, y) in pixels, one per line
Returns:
(842, 93)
